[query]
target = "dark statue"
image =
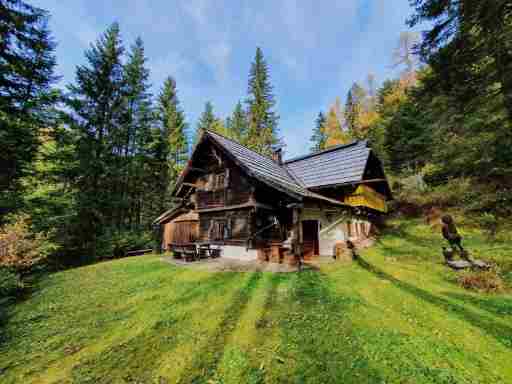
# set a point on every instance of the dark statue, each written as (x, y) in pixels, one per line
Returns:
(451, 234)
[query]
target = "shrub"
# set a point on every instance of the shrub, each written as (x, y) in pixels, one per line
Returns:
(114, 243)
(10, 283)
(20, 248)
(486, 281)
(489, 223)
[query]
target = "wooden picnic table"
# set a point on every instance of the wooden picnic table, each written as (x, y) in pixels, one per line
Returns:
(208, 249)
(187, 251)
(195, 251)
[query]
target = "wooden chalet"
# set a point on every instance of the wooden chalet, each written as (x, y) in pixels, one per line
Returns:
(254, 207)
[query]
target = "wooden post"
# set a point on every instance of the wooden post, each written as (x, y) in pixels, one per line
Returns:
(296, 232)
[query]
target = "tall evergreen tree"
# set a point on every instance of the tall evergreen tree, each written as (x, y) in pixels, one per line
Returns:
(174, 126)
(473, 37)
(262, 132)
(319, 137)
(237, 124)
(206, 120)
(27, 64)
(136, 140)
(469, 49)
(97, 108)
(171, 145)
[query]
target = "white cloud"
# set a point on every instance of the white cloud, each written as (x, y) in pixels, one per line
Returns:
(218, 55)
(173, 64)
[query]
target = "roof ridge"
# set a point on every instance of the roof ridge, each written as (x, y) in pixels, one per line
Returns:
(236, 142)
(331, 149)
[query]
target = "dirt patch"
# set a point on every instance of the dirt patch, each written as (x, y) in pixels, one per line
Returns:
(231, 265)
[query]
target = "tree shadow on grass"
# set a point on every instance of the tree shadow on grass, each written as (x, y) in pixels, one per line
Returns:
(136, 359)
(496, 305)
(318, 344)
(7, 304)
(207, 359)
(500, 332)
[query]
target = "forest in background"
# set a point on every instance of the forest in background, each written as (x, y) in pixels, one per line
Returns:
(443, 127)
(85, 170)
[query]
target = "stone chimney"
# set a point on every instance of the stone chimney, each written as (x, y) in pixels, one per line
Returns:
(277, 156)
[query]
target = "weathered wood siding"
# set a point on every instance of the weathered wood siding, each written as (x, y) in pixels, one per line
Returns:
(231, 227)
(181, 232)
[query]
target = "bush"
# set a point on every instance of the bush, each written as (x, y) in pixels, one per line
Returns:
(489, 223)
(485, 281)
(114, 243)
(20, 248)
(10, 283)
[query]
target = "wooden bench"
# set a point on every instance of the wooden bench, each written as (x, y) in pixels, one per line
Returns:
(138, 252)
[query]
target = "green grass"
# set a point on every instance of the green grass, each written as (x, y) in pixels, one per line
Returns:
(395, 316)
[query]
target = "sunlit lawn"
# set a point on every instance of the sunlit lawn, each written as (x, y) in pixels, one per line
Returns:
(396, 316)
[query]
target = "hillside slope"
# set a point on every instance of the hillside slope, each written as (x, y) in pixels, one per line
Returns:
(396, 315)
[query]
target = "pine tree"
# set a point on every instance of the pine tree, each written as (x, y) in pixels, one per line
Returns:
(172, 118)
(97, 109)
(206, 120)
(319, 137)
(262, 132)
(237, 124)
(171, 145)
(472, 39)
(135, 131)
(27, 64)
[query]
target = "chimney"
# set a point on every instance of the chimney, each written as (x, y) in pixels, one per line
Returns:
(277, 156)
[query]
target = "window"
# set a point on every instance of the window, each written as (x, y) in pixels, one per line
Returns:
(220, 181)
(219, 229)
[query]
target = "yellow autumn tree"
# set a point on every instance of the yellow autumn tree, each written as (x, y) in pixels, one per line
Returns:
(333, 128)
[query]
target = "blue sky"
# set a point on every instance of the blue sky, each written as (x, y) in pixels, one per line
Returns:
(315, 49)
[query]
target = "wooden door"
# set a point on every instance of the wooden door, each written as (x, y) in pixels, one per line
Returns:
(310, 238)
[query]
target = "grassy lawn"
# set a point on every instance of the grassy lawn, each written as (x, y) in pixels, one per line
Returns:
(396, 316)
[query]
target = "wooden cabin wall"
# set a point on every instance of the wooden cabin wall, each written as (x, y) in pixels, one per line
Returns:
(167, 234)
(181, 232)
(223, 184)
(228, 227)
(220, 183)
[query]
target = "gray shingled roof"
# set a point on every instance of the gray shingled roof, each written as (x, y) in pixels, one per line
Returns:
(266, 170)
(261, 167)
(337, 165)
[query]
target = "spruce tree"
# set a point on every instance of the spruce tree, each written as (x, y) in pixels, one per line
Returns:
(172, 119)
(237, 124)
(206, 120)
(471, 39)
(136, 138)
(97, 109)
(262, 132)
(319, 137)
(171, 145)
(27, 63)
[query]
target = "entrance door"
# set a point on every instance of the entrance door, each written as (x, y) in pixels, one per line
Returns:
(310, 238)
